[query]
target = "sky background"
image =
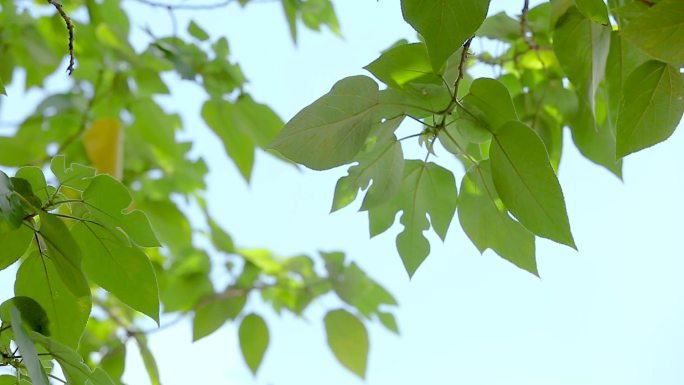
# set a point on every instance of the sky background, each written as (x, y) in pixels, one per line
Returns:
(611, 313)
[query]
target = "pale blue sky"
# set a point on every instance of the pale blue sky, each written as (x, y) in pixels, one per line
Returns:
(611, 313)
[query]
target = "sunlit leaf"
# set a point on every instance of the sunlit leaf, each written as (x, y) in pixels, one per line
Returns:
(214, 312)
(122, 269)
(109, 200)
(38, 279)
(64, 252)
(406, 63)
(103, 142)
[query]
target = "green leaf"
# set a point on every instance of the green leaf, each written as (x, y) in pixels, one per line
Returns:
(426, 189)
(445, 25)
(65, 253)
(290, 10)
(9, 380)
(526, 183)
(76, 176)
(500, 27)
(383, 163)
(348, 340)
(333, 129)
(595, 10)
(490, 102)
(658, 31)
(238, 144)
(14, 244)
(354, 287)
(213, 313)
(121, 269)
(651, 108)
(254, 340)
(32, 314)
(12, 211)
(27, 349)
(2, 88)
(36, 178)
(581, 47)
(595, 142)
(387, 320)
(109, 200)
(114, 361)
(197, 32)
(74, 368)
(487, 223)
(148, 359)
(38, 279)
(406, 63)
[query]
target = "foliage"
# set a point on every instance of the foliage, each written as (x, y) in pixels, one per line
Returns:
(99, 167)
(92, 209)
(612, 73)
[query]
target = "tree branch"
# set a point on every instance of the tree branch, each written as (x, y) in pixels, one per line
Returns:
(70, 30)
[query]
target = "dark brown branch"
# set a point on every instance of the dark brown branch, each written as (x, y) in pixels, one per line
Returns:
(461, 66)
(70, 30)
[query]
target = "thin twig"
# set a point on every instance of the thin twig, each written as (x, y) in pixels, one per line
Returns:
(461, 67)
(648, 2)
(524, 27)
(70, 29)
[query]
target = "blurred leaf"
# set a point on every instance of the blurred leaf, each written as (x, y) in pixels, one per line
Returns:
(103, 142)
(254, 339)
(348, 340)
(212, 313)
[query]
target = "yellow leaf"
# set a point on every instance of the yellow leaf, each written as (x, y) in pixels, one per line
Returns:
(103, 142)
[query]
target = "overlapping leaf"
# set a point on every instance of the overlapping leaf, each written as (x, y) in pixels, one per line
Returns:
(658, 31)
(527, 184)
(582, 47)
(38, 279)
(426, 189)
(487, 223)
(333, 129)
(445, 25)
